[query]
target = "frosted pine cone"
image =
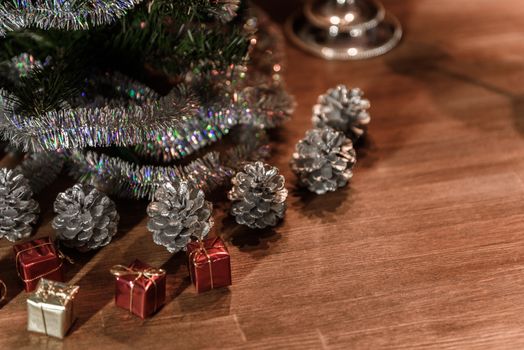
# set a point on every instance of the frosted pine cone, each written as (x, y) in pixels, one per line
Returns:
(323, 160)
(86, 218)
(18, 210)
(258, 196)
(344, 110)
(178, 213)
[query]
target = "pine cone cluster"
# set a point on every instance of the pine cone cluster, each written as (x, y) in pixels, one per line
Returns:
(344, 110)
(178, 213)
(258, 196)
(18, 210)
(86, 218)
(323, 160)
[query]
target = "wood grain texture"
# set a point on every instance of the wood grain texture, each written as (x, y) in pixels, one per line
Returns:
(423, 251)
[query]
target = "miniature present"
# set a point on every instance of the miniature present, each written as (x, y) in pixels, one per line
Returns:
(37, 259)
(209, 264)
(50, 308)
(140, 288)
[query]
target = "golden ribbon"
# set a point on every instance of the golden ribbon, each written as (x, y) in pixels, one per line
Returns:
(150, 273)
(3, 293)
(49, 288)
(61, 255)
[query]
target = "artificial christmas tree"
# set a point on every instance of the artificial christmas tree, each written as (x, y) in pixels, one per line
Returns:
(126, 91)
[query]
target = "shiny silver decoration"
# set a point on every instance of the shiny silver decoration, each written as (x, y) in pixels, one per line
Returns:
(344, 29)
(344, 110)
(41, 169)
(55, 14)
(323, 160)
(18, 210)
(261, 106)
(83, 14)
(178, 213)
(258, 196)
(92, 126)
(129, 180)
(167, 128)
(86, 218)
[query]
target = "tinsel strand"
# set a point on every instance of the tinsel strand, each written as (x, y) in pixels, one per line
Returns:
(90, 126)
(119, 177)
(81, 15)
(68, 15)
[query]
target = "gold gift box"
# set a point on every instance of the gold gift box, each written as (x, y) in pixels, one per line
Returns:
(50, 308)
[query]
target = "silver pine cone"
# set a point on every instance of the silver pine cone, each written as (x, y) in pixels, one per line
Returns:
(86, 218)
(344, 110)
(18, 209)
(258, 196)
(178, 213)
(323, 160)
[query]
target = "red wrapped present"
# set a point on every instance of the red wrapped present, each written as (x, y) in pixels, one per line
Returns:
(140, 288)
(209, 264)
(37, 259)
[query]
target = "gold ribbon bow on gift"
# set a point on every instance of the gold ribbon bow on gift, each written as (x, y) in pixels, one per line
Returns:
(50, 289)
(150, 273)
(61, 255)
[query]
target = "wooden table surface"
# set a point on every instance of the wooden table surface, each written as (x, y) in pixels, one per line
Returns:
(423, 250)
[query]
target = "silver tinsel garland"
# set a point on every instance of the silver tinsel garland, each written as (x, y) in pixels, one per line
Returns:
(116, 176)
(68, 15)
(258, 196)
(86, 218)
(323, 160)
(81, 15)
(344, 110)
(178, 213)
(174, 123)
(18, 210)
(79, 127)
(259, 106)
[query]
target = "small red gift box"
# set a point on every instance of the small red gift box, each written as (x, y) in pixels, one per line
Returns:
(140, 288)
(209, 264)
(37, 259)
